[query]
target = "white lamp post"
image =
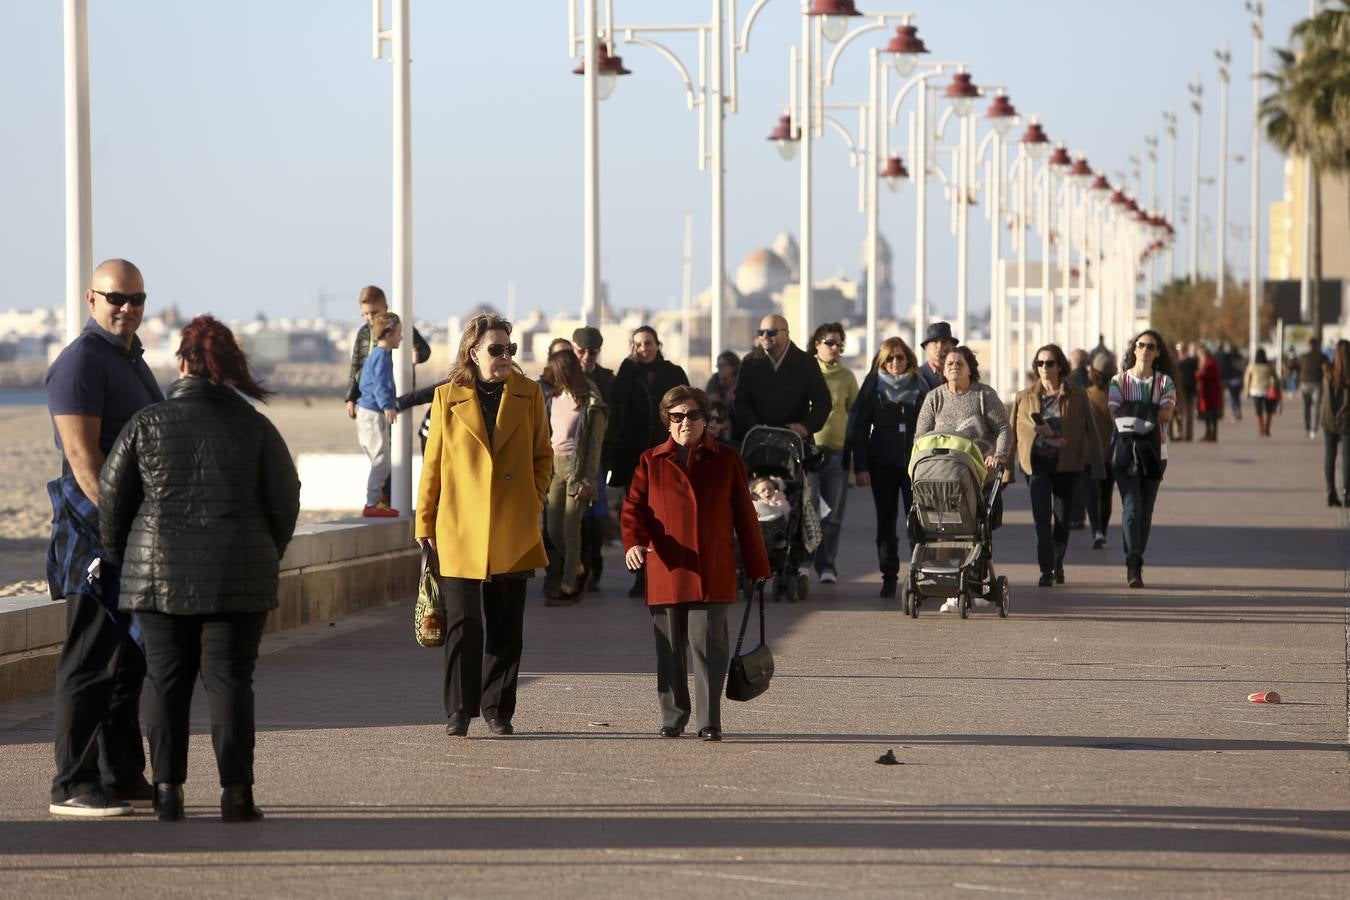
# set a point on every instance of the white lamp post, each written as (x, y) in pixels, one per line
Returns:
(79, 203)
(397, 37)
(598, 82)
(1197, 91)
(1257, 10)
(1170, 118)
(1033, 145)
(1225, 57)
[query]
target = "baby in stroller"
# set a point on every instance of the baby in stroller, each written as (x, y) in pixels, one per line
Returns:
(771, 502)
(776, 462)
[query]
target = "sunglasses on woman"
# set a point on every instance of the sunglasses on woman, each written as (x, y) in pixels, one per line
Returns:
(496, 350)
(694, 415)
(1047, 363)
(1146, 345)
(832, 343)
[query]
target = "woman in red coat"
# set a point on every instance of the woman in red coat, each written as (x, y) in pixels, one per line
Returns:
(675, 523)
(1209, 393)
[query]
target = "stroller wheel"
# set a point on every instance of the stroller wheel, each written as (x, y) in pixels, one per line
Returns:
(1003, 596)
(803, 586)
(907, 602)
(963, 603)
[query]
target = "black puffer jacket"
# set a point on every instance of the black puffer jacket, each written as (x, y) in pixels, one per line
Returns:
(198, 500)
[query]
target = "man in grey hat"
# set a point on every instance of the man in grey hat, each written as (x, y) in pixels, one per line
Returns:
(586, 343)
(936, 340)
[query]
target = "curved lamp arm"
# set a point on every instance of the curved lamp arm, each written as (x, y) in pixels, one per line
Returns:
(670, 57)
(744, 44)
(847, 136)
(845, 41)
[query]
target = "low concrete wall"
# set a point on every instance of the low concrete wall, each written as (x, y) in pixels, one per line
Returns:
(329, 570)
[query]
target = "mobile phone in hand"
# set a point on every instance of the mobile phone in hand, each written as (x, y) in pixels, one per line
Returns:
(1038, 419)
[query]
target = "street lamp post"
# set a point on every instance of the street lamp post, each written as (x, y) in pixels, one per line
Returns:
(1224, 57)
(1033, 145)
(1197, 91)
(1002, 116)
(397, 37)
(1170, 118)
(1257, 10)
(79, 203)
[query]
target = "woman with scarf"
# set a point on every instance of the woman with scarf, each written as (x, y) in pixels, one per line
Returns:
(635, 424)
(884, 418)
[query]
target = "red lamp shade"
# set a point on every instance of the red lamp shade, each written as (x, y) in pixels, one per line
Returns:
(1060, 158)
(962, 93)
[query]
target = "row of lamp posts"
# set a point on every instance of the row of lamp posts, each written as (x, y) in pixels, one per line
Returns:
(1076, 212)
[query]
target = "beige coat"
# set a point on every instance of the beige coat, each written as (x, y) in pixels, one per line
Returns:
(1084, 447)
(481, 500)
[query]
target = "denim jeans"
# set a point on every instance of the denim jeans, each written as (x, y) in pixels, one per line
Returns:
(1137, 496)
(1311, 392)
(832, 487)
(1332, 439)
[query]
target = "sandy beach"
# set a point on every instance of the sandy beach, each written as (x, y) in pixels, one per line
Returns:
(31, 460)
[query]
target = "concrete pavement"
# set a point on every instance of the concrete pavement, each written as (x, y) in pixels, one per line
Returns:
(1096, 743)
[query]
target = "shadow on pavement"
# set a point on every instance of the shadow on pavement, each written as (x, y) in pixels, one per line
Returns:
(401, 828)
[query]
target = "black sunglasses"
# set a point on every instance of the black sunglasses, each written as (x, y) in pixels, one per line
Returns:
(115, 298)
(896, 357)
(694, 415)
(719, 419)
(768, 332)
(832, 343)
(496, 350)
(1146, 345)
(1047, 363)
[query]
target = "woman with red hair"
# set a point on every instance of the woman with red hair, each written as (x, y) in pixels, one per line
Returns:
(197, 502)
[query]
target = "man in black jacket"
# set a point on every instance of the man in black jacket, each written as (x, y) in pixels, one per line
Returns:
(780, 385)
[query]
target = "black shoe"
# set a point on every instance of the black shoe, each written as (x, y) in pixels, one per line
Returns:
(1333, 500)
(1059, 575)
(92, 805)
(1047, 580)
(710, 734)
(562, 598)
(1099, 542)
(142, 796)
(500, 726)
(888, 586)
(236, 804)
(457, 725)
(671, 731)
(168, 802)
(1134, 574)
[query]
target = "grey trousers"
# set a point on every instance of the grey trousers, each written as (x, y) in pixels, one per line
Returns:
(373, 433)
(702, 627)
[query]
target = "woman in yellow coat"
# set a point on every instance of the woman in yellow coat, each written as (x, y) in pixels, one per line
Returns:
(485, 473)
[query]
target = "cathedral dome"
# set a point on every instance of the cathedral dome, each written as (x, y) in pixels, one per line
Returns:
(762, 272)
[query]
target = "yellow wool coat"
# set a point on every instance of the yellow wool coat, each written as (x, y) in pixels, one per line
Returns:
(481, 500)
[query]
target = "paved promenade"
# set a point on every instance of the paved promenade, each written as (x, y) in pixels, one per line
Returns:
(1096, 743)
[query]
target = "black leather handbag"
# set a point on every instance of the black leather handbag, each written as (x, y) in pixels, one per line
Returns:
(749, 673)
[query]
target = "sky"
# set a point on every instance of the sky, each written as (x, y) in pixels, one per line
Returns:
(242, 150)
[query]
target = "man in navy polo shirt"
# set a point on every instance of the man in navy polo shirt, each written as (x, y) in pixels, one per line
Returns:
(97, 383)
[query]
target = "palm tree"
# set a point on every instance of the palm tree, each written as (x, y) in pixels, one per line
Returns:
(1308, 112)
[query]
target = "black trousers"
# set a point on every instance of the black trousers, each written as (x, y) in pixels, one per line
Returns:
(223, 648)
(97, 705)
(1051, 496)
(891, 499)
(485, 623)
(702, 628)
(1331, 440)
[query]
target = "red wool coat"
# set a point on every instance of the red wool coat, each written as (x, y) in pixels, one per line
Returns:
(682, 515)
(1209, 387)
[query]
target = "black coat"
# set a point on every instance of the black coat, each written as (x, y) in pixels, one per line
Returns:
(875, 438)
(635, 419)
(198, 500)
(796, 392)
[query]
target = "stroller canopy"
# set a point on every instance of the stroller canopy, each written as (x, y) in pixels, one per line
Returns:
(953, 445)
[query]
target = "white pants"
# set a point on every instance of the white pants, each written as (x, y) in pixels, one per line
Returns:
(373, 433)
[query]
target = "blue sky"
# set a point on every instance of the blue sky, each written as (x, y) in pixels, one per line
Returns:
(241, 150)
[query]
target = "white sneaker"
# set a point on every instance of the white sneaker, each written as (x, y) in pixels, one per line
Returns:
(1312, 435)
(828, 577)
(979, 602)
(804, 570)
(951, 604)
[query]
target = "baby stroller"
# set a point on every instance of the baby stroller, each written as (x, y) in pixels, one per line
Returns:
(951, 526)
(780, 453)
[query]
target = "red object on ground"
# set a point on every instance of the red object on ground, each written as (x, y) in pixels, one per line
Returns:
(1264, 697)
